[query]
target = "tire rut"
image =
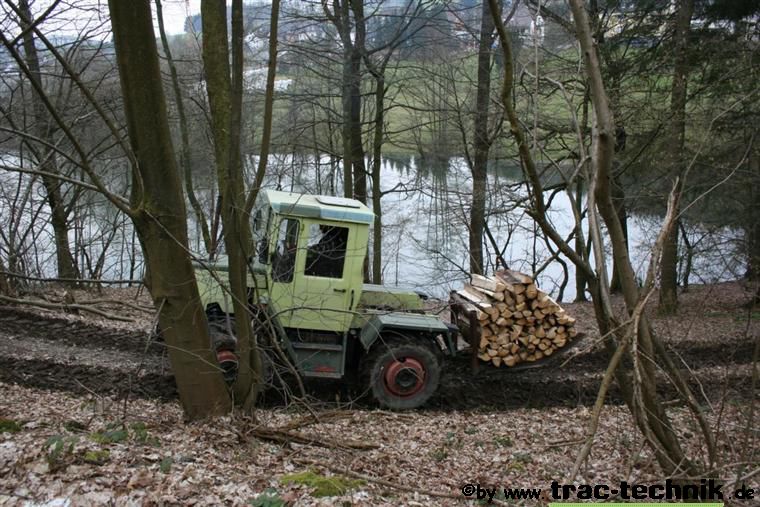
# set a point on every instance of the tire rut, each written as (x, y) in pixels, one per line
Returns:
(71, 332)
(573, 384)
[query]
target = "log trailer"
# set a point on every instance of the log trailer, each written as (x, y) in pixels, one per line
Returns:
(309, 303)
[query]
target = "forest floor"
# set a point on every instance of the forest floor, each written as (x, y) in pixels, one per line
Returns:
(89, 415)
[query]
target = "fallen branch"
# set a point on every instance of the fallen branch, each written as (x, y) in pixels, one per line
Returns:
(315, 418)
(65, 307)
(292, 437)
(139, 308)
(68, 280)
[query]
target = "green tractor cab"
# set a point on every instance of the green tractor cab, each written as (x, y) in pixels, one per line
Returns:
(308, 299)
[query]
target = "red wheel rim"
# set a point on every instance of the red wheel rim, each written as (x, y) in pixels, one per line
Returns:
(404, 377)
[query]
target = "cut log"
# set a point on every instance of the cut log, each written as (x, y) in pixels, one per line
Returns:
(492, 312)
(468, 306)
(513, 277)
(491, 284)
(519, 322)
(474, 297)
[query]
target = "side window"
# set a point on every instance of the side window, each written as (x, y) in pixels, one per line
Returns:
(285, 254)
(326, 254)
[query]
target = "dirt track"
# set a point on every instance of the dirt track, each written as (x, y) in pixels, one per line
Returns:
(75, 356)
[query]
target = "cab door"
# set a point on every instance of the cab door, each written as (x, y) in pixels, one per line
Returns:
(313, 274)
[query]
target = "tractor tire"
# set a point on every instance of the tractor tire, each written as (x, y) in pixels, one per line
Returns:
(402, 372)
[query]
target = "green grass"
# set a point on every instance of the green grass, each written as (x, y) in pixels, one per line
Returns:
(321, 485)
(9, 426)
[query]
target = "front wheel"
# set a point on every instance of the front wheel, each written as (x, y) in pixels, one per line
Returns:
(403, 373)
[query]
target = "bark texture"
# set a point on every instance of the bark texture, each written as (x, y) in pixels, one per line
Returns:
(224, 85)
(159, 214)
(669, 267)
(481, 142)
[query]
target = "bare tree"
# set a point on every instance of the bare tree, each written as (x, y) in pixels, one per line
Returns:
(46, 157)
(482, 139)
(633, 336)
(158, 212)
(676, 134)
(348, 17)
(209, 240)
(224, 84)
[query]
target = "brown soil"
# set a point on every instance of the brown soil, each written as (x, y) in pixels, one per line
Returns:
(82, 354)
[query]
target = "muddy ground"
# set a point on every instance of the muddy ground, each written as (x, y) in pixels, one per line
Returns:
(85, 355)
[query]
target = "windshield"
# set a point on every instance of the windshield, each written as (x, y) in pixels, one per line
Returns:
(261, 221)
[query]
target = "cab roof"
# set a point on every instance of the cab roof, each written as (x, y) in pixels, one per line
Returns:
(327, 207)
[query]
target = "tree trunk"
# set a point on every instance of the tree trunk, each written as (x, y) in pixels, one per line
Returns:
(186, 155)
(266, 134)
(377, 147)
(347, 94)
(357, 145)
(753, 220)
(647, 409)
(159, 214)
(618, 198)
(581, 281)
(46, 157)
(669, 267)
(481, 142)
(753, 231)
(5, 283)
(225, 95)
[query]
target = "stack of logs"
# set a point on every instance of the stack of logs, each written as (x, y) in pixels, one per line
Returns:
(517, 322)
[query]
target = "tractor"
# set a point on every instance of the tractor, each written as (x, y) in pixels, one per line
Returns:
(309, 303)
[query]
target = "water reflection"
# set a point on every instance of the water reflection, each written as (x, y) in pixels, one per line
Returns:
(425, 206)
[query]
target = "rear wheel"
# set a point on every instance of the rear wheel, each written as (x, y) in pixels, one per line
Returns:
(224, 342)
(403, 372)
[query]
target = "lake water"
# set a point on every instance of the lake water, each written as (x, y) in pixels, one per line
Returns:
(424, 233)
